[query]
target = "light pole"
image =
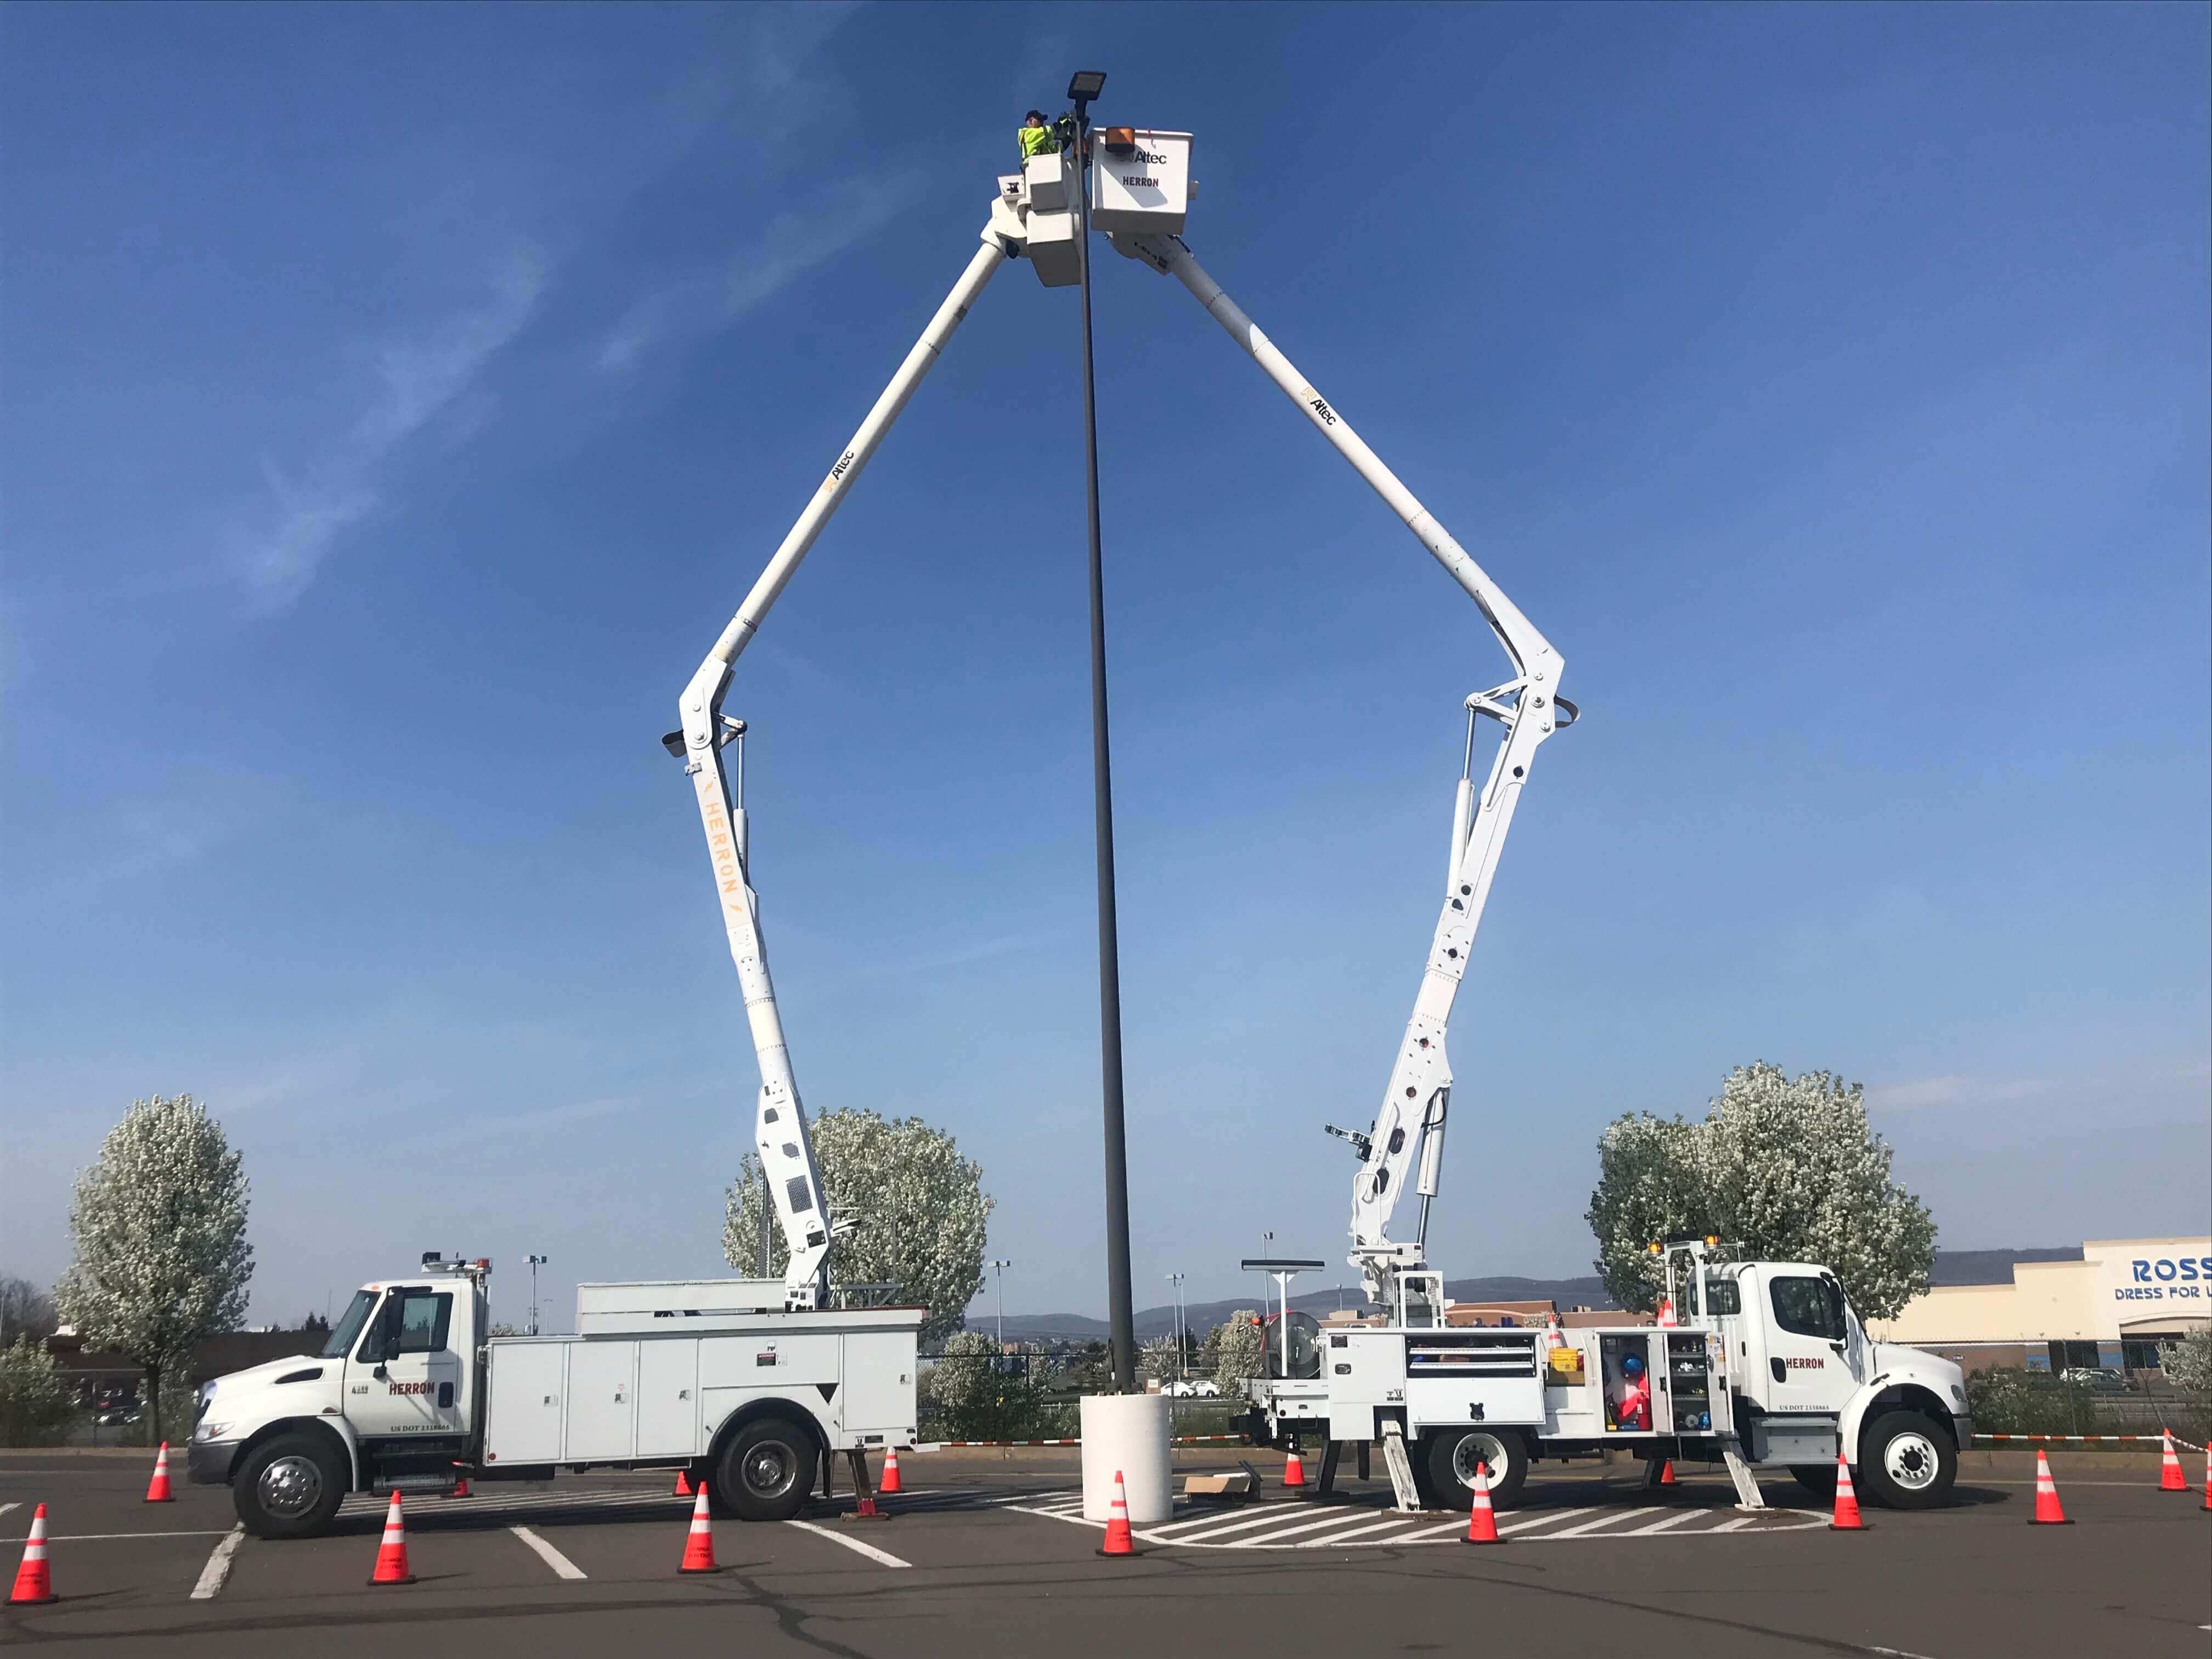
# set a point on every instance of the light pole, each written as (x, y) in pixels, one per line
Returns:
(1081, 87)
(535, 1262)
(1177, 1279)
(1000, 1269)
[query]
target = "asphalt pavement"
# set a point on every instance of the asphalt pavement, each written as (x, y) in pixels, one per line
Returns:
(987, 1556)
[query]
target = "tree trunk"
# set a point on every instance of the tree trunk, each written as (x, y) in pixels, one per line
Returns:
(154, 1401)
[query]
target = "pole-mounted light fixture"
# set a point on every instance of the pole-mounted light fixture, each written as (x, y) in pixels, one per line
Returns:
(1086, 84)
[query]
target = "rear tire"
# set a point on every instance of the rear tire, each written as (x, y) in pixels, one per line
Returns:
(1450, 1459)
(767, 1472)
(1819, 1479)
(1907, 1461)
(289, 1487)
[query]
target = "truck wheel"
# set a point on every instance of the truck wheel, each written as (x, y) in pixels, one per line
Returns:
(1907, 1461)
(1453, 1454)
(289, 1487)
(1819, 1479)
(767, 1471)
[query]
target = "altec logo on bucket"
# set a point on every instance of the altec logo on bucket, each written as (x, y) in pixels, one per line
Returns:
(2159, 1279)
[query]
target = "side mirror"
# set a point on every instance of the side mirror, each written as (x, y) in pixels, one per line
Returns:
(390, 1345)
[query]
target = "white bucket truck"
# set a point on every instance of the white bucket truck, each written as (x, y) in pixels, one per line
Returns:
(1776, 1370)
(1770, 1367)
(720, 1376)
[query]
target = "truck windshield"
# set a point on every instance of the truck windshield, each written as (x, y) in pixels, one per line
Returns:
(348, 1326)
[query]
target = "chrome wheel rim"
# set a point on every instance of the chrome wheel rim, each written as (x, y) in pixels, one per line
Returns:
(1479, 1448)
(290, 1485)
(770, 1469)
(1912, 1460)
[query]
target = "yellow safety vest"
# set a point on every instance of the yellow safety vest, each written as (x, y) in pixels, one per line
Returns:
(1037, 141)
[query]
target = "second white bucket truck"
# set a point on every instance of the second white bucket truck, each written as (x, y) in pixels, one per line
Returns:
(1776, 1369)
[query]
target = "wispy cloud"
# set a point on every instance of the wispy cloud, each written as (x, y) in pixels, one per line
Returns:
(1958, 1091)
(416, 378)
(790, 245)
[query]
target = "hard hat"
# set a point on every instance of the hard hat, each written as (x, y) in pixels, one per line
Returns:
(1631, 1364)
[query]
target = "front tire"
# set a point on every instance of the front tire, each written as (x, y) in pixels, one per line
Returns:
(1907, 1461)
(1452, 1457)
(289, 1487)
(767, 1471)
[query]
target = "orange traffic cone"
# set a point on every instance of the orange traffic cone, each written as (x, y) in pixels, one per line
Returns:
(157, 1489)
(682, 1483)
(1118, 1540)
(2047, 1512)
(1847, 1501)
(34, 1583)
(1667, 1473)
(392, 1566)
(1666, 1311)
(1481, 1519)
(2170, 1477)
(1294, 1469)
(699, 1547)
(889, 1483)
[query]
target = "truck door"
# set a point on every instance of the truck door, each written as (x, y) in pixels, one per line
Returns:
(1808, 1341)
(405, 1378)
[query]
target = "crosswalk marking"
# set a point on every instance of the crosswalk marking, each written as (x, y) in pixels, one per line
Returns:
(1604, 1520)
(1674, 1520)
(1356, 1532)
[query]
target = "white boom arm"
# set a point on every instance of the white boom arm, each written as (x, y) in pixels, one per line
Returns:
(1407, 1133)
(787, 1151)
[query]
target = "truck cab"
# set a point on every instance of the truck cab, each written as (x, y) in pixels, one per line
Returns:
(393, 1398)
(1808, 1381)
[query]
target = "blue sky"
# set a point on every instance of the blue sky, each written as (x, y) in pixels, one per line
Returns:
(398, 400)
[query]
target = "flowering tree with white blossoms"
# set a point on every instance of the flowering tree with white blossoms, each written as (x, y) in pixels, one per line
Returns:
(918, 1210)
(1161, 1357)
(159, 1227)
(1785, 1169)
(1237, 1348)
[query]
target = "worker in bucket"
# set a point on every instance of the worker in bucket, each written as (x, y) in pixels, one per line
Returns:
(1036, 137)
(1634, 1409)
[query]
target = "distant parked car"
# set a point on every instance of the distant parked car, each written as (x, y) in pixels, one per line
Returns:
(2104, 1377)
(1194, 1388)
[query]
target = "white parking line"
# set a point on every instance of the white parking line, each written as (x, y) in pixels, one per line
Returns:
(4, 1508)
(96, 1537)
(218, 1565)
(552, 1558)
(850, 1543)
(1264, 1520)
(1675, 1520)
(1356, 1532)
(1605, 1520)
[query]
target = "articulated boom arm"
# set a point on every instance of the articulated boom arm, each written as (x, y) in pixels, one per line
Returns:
(1407, 1134)
(787, 1151)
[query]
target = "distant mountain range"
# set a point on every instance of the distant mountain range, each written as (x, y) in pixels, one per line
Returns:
(1952, 1268)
